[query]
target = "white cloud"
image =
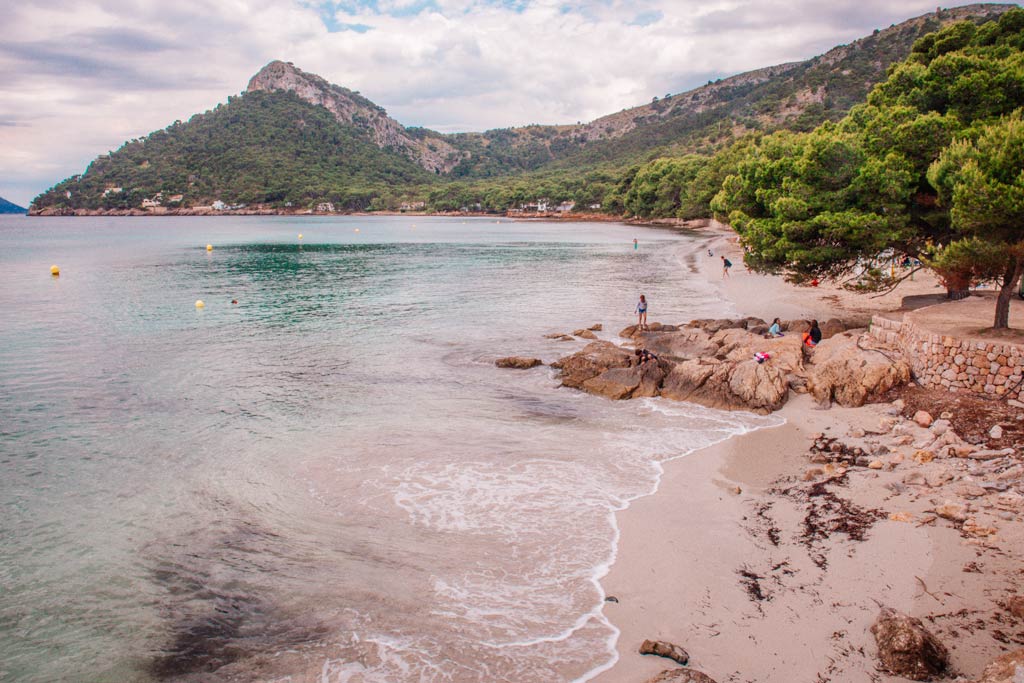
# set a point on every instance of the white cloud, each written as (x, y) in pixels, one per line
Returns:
(77, 79)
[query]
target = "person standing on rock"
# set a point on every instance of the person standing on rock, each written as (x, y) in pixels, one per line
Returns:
(726, 265)
(641, 313)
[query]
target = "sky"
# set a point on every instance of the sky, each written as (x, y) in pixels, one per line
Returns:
(77, 79)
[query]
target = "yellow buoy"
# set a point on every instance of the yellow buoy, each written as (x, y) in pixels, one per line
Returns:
(54, 270)
(300, 235)
(209, 247)
(200, 304)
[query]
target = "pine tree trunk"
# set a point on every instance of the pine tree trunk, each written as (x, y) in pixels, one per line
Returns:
(1010, 279)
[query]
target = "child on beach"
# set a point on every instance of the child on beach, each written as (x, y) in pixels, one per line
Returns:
(812, 336)
(636, 245)
(641, 313)
(776, 329)
(726, 265)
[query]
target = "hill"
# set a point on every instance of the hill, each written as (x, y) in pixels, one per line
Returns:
(8, 207)
(294, 141)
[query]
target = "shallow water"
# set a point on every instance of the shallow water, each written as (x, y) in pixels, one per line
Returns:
(329, 480)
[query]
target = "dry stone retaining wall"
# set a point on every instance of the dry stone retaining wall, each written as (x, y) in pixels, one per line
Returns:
(938, 360)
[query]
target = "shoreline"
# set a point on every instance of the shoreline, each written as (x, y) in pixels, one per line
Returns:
(768, 604)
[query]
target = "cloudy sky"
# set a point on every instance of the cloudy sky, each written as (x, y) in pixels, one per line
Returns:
(79, 78)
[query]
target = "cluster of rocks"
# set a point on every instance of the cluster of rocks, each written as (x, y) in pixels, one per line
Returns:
(714, 363)
(971, 485)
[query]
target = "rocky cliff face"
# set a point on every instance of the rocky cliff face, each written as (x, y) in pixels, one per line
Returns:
(431, 152)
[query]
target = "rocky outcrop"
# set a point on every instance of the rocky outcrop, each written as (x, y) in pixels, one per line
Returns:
(594, 359)
(726, 364)
(518, 362)
(1008, 668)
(662, 648)
(433, 153)
(632, 382)
(848, 373)
(906, 648)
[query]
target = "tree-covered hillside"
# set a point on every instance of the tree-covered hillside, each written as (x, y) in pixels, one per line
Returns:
(295, 140)
(262, 147)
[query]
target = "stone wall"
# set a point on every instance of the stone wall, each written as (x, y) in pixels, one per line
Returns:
(938, 360)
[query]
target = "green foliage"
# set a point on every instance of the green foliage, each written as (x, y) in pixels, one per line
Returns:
(838, 199)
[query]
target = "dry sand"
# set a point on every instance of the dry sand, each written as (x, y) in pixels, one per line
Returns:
(759, 576)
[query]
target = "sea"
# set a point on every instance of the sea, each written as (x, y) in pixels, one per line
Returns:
(328, 480)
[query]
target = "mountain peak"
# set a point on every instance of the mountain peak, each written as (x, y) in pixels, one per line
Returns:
(351, 108)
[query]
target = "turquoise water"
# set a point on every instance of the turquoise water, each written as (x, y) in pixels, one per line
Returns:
(328, 480)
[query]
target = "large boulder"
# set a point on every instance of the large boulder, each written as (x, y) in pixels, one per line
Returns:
(622, 383)
(1008, 668)
(681, 345)
(844, 372)
(906, 648)
(590, 361)
(745, 385)
(518, 362)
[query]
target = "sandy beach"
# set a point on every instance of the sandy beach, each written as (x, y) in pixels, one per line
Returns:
(767, 567)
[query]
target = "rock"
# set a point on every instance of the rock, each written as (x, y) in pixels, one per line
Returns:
(923, 418)
(518, 362)
(901, 516)
(945, 415)
(972, 527)
(906, 648)
(596, 327)
(665, 649)
(968, 490)
(1015, 606)
(875, 465)
(857, 432)
(938, 478)
(681, 676)
(1008, 668)
(844, 373)
(831, 328)
(813, 473)
(747, 385)
(584, 334)
(628, 332)
(955, 512)
(940, 427)
(996, 432)
(736, 490)
(989, 455)
(622, 383)
(897, 459)
(914, 479)
(924, 455)
(589, 362)
(611, 598)
(556, 335)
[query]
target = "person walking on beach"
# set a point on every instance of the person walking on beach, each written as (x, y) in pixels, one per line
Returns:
(636, 245)
(726, 265)
(641, 313)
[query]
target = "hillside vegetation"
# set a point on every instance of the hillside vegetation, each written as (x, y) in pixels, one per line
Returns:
(292, 140)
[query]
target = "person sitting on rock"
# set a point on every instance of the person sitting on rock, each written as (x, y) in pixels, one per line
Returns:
(812, 337)
(776, 329)
(643, 355)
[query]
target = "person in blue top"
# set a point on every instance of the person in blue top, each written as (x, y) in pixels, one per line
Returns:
(641, 313)
(726, 265)
(776, 329)
(636, 245)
